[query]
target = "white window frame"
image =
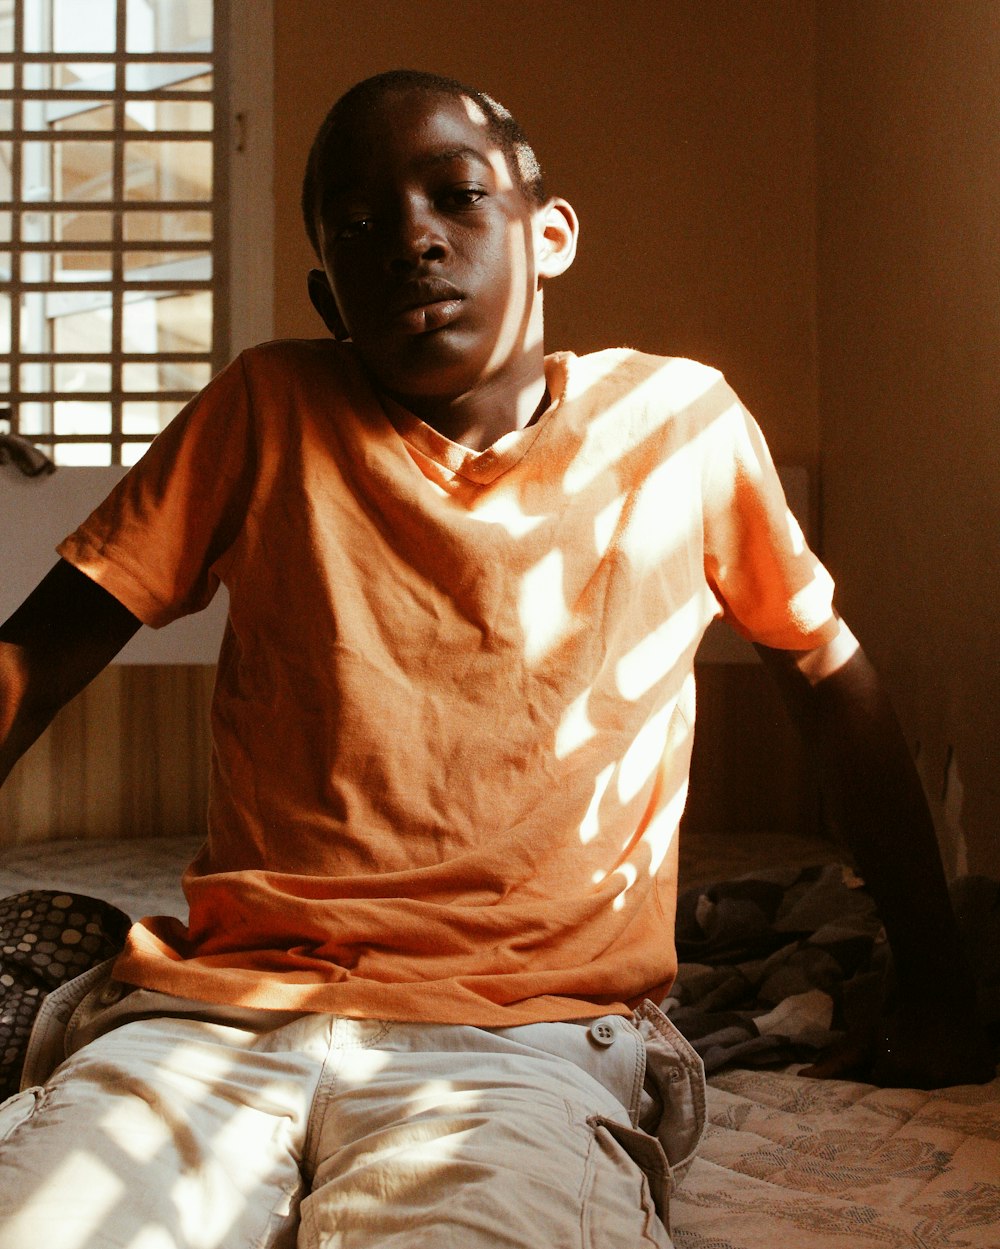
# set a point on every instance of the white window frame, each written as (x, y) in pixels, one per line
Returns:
(249, 74)
(36, 513)
(241, 148)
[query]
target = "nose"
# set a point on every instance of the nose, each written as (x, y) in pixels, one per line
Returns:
(416, 239)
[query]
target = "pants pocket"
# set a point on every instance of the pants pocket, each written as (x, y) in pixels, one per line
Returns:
(17, 1110)
(47, 1043)
(628, 1202)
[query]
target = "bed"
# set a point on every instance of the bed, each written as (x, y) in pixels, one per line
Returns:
(768, 962)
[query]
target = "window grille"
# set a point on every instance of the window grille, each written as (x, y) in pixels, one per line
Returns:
(110, 177)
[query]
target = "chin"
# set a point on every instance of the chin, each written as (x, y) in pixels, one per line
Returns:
(429, 370)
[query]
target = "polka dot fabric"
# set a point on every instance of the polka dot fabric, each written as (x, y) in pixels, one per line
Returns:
(46, 938)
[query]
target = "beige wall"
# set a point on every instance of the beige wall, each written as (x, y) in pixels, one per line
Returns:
(681, 131)
(909, 300)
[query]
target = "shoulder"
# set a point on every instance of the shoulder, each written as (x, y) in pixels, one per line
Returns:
(664, 402)
(302, 380)
(622, 374)
(287, 359)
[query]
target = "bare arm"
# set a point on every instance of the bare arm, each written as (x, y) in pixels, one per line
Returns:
(931, 1036)
(58, 640)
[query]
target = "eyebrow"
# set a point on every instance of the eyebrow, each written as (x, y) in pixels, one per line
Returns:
(455, 153)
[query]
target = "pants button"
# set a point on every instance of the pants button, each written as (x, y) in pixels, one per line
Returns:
(112, 992)
(603, 1032)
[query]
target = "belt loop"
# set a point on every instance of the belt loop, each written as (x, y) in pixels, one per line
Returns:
(639, 1078)
(679, 1076)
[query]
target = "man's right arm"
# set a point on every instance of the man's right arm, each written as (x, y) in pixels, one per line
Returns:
(64, 633)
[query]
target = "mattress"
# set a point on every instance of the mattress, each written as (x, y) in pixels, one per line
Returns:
(140, 876)
(830, 1164)
(786, 1161)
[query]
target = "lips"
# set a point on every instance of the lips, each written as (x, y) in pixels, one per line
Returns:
(424, 304)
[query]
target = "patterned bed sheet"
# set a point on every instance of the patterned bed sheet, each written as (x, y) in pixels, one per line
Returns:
(786, 1162)
(811, 1164)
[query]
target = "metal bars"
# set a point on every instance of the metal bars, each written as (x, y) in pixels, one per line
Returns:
(110, 168)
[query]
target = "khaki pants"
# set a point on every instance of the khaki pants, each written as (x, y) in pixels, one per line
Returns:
(173, 1123)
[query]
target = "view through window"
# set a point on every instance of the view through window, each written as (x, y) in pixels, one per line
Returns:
(108, 184)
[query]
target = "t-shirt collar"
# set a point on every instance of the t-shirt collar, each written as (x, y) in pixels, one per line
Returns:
(487, 465)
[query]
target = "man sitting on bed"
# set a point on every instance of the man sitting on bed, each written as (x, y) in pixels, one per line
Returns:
(452, 727)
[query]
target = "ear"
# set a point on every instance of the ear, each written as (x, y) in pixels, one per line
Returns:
(325, 304)
(556, 232)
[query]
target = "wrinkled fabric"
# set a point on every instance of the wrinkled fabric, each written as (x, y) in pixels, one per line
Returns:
(777, 965)
(176, 1123)
(455, 700)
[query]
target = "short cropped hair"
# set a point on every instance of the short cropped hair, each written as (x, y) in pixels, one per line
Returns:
(362, 97)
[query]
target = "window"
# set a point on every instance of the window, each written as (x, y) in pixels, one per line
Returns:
(110, 171)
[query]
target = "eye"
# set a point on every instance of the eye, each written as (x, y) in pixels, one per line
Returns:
(355, 229)
(463, 196)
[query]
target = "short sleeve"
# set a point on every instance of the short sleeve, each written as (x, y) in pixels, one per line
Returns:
(160, 541)
(769, 584)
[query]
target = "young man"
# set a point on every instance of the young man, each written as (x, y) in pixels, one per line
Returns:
(452, 729)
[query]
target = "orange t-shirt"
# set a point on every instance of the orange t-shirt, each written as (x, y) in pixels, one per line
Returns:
(455, 699)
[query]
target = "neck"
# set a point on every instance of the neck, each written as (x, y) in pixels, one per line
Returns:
(480, 417)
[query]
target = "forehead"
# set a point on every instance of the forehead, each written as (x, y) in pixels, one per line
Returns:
(405, 133)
